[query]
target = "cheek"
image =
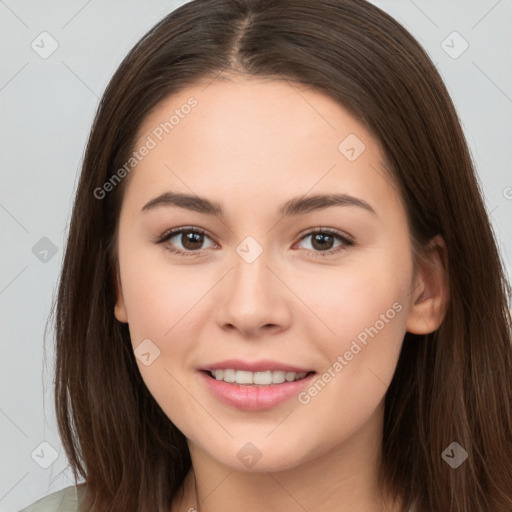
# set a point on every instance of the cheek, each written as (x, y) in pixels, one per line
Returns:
(365, 309)
(162, 304)
(157, 294)
(362, 308)
(349, 299)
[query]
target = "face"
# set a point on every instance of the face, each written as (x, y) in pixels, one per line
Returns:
(324, 287)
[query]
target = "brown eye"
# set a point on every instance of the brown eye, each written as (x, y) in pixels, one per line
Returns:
(185, 241)
(323, 242)
(191, 240)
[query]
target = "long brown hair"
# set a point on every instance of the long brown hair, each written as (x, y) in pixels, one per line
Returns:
(453, 385)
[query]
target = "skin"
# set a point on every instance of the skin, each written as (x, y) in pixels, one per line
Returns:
(251, 145)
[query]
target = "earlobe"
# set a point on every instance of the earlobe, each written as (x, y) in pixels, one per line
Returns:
(120, 312)
(120, 308)
(429, 298)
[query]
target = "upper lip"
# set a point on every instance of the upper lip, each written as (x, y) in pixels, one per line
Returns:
(254, 366)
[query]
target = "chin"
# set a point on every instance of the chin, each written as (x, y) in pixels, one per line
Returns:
(259, 456)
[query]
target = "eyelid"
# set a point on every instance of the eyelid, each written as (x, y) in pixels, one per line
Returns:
(329, 231)
(176, 231)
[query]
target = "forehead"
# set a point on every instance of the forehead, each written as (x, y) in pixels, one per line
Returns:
(260, 136)
(253, 113)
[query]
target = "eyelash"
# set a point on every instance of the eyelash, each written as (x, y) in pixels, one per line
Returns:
(347, 241)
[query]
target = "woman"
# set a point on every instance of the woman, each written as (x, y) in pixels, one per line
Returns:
(281, 289)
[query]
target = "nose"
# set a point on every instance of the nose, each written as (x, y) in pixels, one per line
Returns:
(253, 299)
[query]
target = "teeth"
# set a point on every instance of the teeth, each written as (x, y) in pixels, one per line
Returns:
(242, 377)
(289, 376)
(263, 378)
(259, 378)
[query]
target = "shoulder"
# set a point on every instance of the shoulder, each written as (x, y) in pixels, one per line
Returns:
(65, 500)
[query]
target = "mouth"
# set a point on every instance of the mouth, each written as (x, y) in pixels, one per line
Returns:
(255, 391)
(245, 378)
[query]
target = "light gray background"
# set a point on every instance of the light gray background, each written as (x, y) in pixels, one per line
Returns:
(46, 109)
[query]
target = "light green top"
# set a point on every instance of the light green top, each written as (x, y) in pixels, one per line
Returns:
(65, 500)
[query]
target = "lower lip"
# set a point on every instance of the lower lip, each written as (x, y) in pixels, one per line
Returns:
(254, 398)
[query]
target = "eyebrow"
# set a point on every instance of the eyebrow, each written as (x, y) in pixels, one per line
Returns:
(295, 206)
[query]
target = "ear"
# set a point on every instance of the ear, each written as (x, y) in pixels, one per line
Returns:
(430, 294)
(119, 308)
